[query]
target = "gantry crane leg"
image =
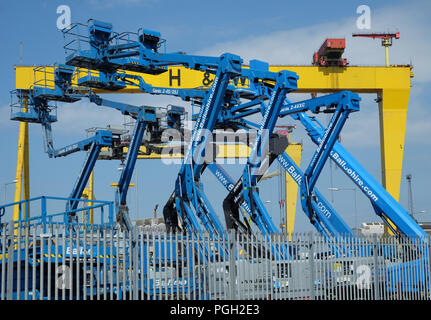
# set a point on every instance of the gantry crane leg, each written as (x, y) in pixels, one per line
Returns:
(22, 175)
(393, 117)
(291, 190)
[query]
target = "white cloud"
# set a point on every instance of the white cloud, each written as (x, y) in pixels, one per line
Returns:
(117, 3)
(296, 46)
(81, 115)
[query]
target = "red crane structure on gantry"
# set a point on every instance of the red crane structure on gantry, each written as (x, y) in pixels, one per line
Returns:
(386, 40)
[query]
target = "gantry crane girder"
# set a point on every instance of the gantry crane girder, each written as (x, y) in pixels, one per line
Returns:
(390, 84)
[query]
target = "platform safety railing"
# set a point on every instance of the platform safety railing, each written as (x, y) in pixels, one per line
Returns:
(45, 210)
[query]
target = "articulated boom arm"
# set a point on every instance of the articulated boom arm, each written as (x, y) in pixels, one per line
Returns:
(384, 204)
(146, 115)
(285, 83)
(347, 102)
(101, 139)
(325, 220)
(187, 188)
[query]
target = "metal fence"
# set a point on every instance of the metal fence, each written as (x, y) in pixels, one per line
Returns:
(59, 262)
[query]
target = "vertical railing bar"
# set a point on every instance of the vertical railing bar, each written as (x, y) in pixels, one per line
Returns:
(344, 269)
(408, 270)
(306, 282)
(335, 282)
(63, 266)
(55, 262)
(340, 280)
(112, 256)
(49, 262)
(195, 251)
(18, 262)
(159, 261)
(185, 283)
(189, 265)
(105, 267)
(289, 264)
(423, 270)
(93, 258)
(41, 263)
(349, 265)
(10, 258)
(429, 266)
(26, 265)
(85, 265)
(3, 265)
(98, 257)
(148, 264)
(415, 268)
(172, 263)
(125, 266)
(318, 267)
(371, 259)
(276, 278)
(419, 255)
(398, 271)
(360, 259)
(413, 247)
(418, 248)
(197, 258)
(219, 266)
(70, 284)
(253, 274)
(34, 266)
(237, 282)
(376, 280)
(243, 265)
(154, 263)
(203, 267)
(315, 247)
(391, 276)
(325, 271)
(129, 273)
(352, 269)
(208, 269)
(225, 262)
(78, 255)
(117, 264)
(141, 263)
(386, 254)
(221, 269)
(311, 260)
(297, 293)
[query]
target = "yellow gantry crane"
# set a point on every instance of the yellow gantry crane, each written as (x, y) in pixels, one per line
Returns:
(391, 84)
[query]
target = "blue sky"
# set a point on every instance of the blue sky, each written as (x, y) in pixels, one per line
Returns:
(280, 32)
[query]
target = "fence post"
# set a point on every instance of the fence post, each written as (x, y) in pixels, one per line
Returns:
(376, 269)
(311, 262)
(429, 268)
(232, 271)
(10, 258)
(43, 213)
(134, 262)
